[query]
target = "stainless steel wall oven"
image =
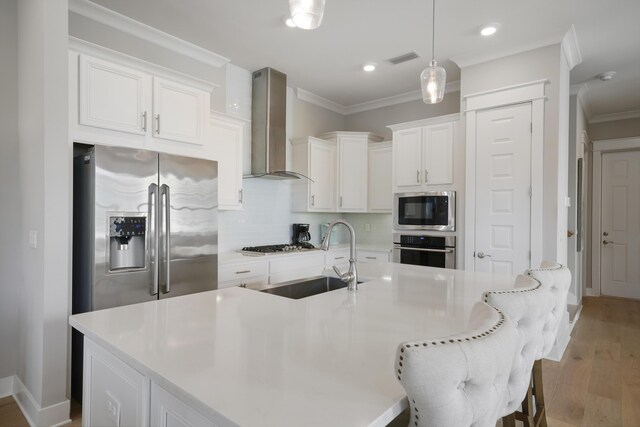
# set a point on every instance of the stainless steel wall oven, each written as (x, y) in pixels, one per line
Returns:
(430, 251)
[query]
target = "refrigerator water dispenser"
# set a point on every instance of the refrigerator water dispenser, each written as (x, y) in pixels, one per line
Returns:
(127, 239)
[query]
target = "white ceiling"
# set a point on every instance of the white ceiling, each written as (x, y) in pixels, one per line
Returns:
(328, 61)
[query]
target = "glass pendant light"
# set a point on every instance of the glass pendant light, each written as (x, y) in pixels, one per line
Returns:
(434, 77)
(307, 14)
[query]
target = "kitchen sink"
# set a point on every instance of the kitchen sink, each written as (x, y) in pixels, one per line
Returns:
(302, 288)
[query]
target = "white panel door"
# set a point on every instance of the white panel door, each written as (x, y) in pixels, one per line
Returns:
(503, 179)
(438, 154)
(380, 189)
(620, 240)
(407, 160)
(113, 97)
(352, 174)
(322, 171)
(178, 112)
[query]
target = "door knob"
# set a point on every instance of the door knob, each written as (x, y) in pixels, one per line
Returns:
(605, 234)
(482, 255)
(606, 242)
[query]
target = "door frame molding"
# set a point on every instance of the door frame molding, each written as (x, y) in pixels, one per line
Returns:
(599, 148)
(533, 92)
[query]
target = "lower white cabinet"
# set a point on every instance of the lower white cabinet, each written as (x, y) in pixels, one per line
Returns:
(114, 394)
(168, 411)
(298, 267)
(251, 274)
(365, 257)
(337, 257)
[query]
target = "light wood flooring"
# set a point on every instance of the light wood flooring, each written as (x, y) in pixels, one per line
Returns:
(597, 383)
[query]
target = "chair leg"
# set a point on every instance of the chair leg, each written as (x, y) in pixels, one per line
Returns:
(526, 416)
(540, 417)
(509, 420)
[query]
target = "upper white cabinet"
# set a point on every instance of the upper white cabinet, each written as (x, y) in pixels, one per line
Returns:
(315, 158)
(423, 153)
(227, 135)
(178, 111)
(353, 149)
(118, 100)
(380, 188)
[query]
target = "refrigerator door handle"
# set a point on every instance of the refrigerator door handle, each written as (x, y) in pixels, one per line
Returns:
(154, 242)
(166, 193)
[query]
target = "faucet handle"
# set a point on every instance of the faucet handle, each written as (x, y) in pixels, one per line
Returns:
(337, 270)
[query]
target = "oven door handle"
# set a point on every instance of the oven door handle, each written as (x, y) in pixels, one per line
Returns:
(446, 251)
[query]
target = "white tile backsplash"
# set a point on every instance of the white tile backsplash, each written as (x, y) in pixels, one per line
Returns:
(266, 219)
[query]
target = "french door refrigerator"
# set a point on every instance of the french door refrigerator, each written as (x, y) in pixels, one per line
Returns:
(145, 228)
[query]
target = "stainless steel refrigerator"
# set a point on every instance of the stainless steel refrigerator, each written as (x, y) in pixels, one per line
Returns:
(144, 228)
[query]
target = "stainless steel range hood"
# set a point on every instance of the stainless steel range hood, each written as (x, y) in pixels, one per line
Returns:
(268, 126)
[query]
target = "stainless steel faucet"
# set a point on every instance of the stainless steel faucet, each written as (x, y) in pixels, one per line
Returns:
(351, 276)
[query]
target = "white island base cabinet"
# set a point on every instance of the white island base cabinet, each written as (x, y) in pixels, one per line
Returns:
(115, 394)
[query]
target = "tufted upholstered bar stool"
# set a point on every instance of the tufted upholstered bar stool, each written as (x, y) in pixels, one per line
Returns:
(557, 279)
(460, 380)
(528, 306)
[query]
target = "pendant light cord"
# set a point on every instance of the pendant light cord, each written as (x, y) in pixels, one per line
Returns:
(433, 32)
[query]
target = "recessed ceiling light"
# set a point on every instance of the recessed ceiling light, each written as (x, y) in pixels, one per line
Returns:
(489, 29)
(289, 23)
(369, 67)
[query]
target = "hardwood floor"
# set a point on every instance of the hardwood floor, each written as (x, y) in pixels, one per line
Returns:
(597, 383)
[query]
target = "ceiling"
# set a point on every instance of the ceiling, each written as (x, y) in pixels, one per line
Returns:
(328, 61)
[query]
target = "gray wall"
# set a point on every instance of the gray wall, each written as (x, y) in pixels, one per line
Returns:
(311, 120)
(10, 253)
(377, 120)
(91, 31)
(615, 129)
(543, 63)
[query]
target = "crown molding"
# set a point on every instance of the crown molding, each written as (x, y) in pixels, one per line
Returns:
(425, 122)
(369, 105)
(571, 48)
(397, 99)
(145, 32)
(581, 90)
(467, 60)
(600, 118)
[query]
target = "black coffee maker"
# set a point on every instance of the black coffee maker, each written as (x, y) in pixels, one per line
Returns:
(301, 236)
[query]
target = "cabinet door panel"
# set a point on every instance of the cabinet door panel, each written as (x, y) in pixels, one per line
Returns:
(380, 189)
(112, 97)
(407, 159)
(438, 154)
(228, 140)
(168, 411)
(178, 112)
(352, 161)
(322, 171)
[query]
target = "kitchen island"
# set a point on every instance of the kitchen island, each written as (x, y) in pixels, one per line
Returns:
(242, 357)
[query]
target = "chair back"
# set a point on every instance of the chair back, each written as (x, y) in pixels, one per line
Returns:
(528, 306)
(459, 380)
(557, 279)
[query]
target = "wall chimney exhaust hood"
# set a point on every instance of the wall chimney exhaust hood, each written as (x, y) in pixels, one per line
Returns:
(268, 126)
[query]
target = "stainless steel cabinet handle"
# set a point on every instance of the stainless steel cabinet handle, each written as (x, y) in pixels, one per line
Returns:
(240, 195)
(418, 177)
(153, 235)
(157, 124)
(243, 272)
(313, 200)
(370, 257)
(340, 201)
(426, 175)
(144, 121)
(606, 242)
(482, 255)
(446, 251)
(339, 257)
(166, 192)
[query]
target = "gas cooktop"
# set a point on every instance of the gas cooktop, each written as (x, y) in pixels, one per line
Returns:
(273, 249)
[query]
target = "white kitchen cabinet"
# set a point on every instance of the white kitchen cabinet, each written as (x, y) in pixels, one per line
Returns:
(290, 268)
(423, 154)
(115, 99)
(169, 411)
(370, 256)
(248, 273)
(352, 168)
(227, 135)
(179, 111)
(339, 258)
(114, 394)
(315, 158)
(380, 189)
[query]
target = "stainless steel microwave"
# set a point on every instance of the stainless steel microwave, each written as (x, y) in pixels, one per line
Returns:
(430, 210)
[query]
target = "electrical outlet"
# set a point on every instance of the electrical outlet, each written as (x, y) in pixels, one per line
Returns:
(113, 409)
(367, 227)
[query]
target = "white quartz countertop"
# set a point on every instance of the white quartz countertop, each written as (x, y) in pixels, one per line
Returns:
(234, 257)
(243, 357)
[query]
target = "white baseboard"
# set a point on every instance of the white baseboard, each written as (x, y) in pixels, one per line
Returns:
(6, 386)
(591, 292)
(575, 319)
(53, 415)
